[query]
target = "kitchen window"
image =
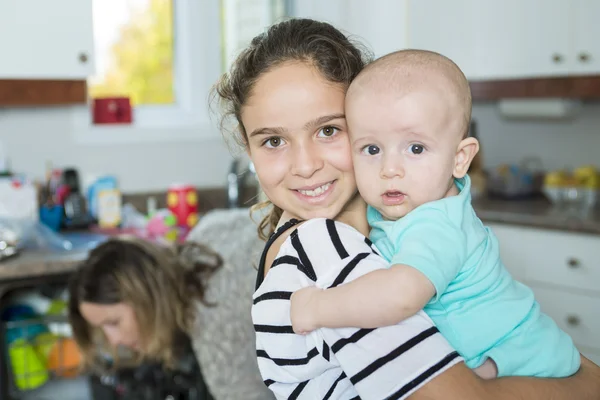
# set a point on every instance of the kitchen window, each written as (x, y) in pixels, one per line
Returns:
(134, 51)
(165, 55)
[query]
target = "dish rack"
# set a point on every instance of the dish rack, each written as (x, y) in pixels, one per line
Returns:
(40, 356)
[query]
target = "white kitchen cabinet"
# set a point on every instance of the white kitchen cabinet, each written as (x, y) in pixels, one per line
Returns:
(510, 39)
(567, 259)
(563, 270)
(592, 354)
(586, 31)
(519, 39)
(495, 39)
(41, 39)
(445, 27)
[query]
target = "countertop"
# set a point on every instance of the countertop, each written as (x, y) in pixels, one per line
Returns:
(537, 213)
(39, 263)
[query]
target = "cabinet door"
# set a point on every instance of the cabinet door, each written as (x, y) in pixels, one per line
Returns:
(586, 34)
(520, 39)
(41, 39)
(446, 27)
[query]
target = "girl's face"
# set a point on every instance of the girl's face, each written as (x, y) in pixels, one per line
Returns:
(117, 321)
(298, 141)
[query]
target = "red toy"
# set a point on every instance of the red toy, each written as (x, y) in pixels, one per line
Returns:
(182, 201)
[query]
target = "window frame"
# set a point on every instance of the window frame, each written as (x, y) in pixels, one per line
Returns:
(197, 64)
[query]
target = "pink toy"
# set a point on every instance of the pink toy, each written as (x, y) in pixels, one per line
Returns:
(163, 226)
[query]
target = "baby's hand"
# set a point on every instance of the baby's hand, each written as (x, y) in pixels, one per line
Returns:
(303, 309)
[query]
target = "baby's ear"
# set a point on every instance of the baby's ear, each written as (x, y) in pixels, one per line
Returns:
(465, 152)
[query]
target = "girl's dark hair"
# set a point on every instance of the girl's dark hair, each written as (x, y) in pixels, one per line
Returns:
(319, 44)
(161, 284)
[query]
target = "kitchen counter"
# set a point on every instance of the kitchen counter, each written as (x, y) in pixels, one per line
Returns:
(537, 213)
(39, 263)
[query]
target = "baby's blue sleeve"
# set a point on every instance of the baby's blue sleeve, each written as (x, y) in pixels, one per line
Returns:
(430, 242)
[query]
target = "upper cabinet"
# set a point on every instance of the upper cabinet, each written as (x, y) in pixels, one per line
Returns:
(42, 39)
(585, 50)
(517, 39)
(510, 39)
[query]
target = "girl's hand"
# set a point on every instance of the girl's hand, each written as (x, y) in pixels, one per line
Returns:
(304, 310)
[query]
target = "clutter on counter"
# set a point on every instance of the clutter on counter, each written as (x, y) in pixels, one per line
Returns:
(577, 189)
(56, 215)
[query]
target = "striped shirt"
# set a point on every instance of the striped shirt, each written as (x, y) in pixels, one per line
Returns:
(349, 363)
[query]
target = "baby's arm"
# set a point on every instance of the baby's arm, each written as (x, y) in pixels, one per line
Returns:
(430, 254)
(379, 298)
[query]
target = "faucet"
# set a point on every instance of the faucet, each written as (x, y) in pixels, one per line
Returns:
(236, 182)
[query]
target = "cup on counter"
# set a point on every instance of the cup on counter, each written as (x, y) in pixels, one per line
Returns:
(51, 216)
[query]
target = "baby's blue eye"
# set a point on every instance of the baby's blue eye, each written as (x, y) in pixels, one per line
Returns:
(371, 150)
(416, 148)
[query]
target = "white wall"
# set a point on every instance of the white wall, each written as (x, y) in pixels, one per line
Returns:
(32, 137)
(380, 25)
(559, 144)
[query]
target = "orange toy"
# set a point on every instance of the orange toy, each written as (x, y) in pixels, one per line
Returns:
(64, 358)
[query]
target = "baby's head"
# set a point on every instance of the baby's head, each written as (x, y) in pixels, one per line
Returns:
(408, 115)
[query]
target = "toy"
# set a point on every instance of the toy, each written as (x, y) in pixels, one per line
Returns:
(64, 358)
(182, 201)
(28, 370)
(163, 226)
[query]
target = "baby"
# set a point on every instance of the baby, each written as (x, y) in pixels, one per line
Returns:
(408, 115)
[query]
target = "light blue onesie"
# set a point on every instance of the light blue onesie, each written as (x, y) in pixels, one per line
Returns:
(478, 307)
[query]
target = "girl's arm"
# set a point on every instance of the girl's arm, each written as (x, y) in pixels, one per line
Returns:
(380, 298)
(429, 253)
(460, 383)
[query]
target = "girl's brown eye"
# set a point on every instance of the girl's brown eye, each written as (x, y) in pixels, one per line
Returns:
(273, 142)
(328, 131)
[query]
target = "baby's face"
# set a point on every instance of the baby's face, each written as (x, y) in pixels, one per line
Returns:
(404, 147)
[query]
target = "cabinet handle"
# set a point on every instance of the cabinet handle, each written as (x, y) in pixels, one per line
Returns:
(573, 263)
(83, 58)
(557, 58)
(573, 320)
(584, 57)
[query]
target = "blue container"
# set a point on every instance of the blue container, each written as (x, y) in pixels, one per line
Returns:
(51, 216)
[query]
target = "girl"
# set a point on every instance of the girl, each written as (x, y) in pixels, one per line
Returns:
(286, 94)
(152, 299)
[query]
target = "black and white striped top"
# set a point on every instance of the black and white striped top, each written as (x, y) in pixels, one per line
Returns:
(349, 363)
